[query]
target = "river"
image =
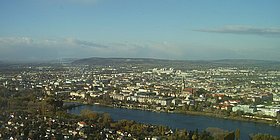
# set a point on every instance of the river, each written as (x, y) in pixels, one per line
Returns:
(182, 121)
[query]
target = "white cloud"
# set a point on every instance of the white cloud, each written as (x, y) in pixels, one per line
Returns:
(72, 47)
(83, 43)
(26, 48)
(150, 49)
(87, 2)
(15, 41)
(46, 49)
(242, 29)
(27, 41)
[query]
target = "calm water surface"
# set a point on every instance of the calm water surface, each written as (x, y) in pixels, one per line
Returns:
(189, 122)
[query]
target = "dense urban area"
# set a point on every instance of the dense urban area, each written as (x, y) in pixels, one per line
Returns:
(34, 99)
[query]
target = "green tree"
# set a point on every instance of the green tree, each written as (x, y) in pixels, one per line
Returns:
(237, 134)
(194, 137)
(229, 136)
(264, 137)
(201, 91)
(106, 120)
(278, 116)
(86, 113)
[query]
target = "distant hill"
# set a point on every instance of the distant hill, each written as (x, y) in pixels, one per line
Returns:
(245, 62)
(177, 63)
(110, 61)
(1, 63)
(61, 60)
(4, 64)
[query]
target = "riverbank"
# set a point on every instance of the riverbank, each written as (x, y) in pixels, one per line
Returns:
(180, 121)
(208, 114)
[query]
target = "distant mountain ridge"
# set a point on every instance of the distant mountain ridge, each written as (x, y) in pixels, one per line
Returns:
(246, 61)
(116, 61)
(110, 61)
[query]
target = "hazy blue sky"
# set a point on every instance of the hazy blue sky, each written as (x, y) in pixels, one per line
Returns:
(170, 29)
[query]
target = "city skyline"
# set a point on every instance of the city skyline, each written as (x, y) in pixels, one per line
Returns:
(165, 29)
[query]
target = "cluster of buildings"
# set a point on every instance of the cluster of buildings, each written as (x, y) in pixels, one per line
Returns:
(22, 125)
(252, 91)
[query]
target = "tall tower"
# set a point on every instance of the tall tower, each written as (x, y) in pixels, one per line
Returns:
(183, 84)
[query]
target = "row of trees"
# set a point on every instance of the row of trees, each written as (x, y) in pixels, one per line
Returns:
(264, 137)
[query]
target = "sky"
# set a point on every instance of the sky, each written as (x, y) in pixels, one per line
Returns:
(164, 29)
